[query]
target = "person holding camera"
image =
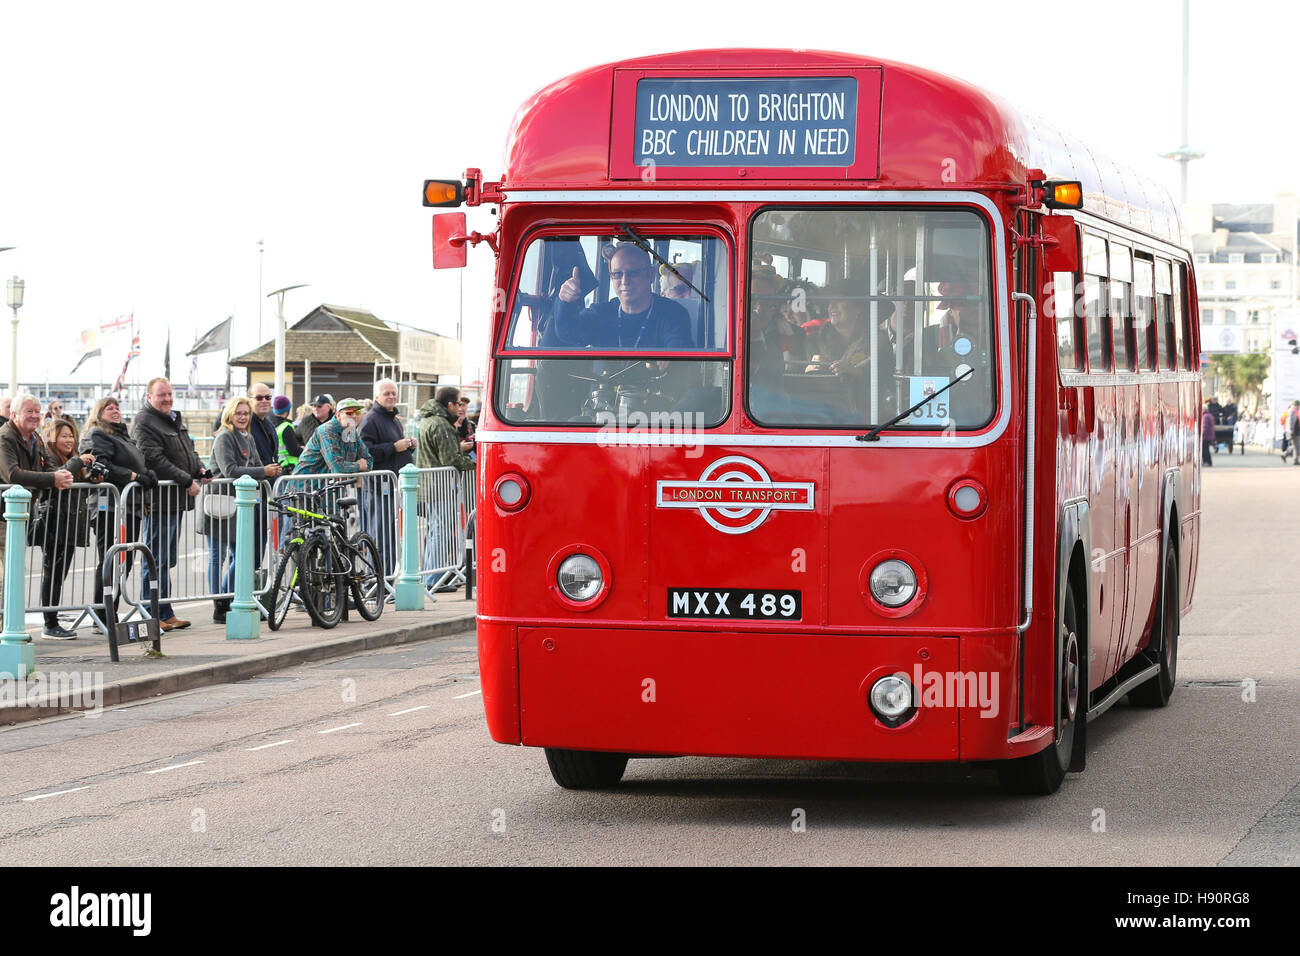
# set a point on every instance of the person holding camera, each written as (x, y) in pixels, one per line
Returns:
(169, 453)
(107, 439)
(64, 522)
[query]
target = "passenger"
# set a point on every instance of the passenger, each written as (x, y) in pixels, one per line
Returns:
(960, 332)
(636, 318)
(776, 345)
(842, 345)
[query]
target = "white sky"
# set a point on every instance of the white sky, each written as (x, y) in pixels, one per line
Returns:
(145, 148)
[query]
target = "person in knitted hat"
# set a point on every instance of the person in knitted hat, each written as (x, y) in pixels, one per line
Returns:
(288, 446)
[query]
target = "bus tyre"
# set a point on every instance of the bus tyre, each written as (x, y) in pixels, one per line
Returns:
(1041, 774)
(585, 769)
(1157, 691)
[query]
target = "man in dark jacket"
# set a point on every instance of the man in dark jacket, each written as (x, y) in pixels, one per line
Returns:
(169, 453)
(322, 411)
(384, 435)
(25, 461)
(441, 448)
(259, 425)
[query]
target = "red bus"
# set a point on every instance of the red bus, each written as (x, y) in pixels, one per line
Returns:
(837, 411)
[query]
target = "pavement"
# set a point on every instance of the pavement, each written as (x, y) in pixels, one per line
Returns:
(78, 675)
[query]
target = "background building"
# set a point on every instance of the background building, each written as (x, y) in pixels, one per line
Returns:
(1247, 285)
(343, 351)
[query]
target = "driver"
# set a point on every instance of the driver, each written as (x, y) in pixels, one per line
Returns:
(636, 318)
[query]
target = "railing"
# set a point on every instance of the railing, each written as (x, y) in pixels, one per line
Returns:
(376, 511)
(444, 500)
(193, 544)
(70, 532)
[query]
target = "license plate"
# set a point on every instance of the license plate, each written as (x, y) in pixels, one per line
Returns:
(754, 604)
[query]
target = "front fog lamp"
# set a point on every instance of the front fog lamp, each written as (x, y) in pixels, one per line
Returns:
(893, 583)
(579, 577)
(891, 699)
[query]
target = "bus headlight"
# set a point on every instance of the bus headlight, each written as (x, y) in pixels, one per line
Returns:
(891, 699)
(579, 577)
(893, 583)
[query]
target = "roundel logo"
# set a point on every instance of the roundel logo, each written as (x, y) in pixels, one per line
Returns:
(735, 494)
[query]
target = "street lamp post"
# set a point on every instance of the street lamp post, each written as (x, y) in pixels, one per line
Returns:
(279, 334)
(15, 288)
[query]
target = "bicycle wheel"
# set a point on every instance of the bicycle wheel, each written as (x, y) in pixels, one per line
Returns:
(319, 585)
(286, 582)
(367, 578)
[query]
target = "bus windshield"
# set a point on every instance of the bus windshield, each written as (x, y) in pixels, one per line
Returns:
(858, 314)
(626, 294)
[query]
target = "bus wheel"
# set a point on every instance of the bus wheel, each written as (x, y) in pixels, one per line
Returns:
(1041, 774)
(1157, 691)
(585, 769)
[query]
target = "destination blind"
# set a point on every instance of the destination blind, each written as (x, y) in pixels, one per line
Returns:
(793, 121)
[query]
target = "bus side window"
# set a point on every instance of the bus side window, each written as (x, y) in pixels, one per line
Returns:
(1121, 306)
(1171, 343)
(1144, 314)
(1069, 340)
(1182, 333)
(1095, 300)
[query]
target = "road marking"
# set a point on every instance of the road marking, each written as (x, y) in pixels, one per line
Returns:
(344, 727)
(56, 793)
(470, 694)
(278, 743)
(409, 710)
(175, 766)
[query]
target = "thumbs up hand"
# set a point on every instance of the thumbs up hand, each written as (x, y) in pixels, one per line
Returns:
(571, 291)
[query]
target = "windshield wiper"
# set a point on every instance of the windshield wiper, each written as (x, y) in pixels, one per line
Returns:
(637, 238)
(874, 434)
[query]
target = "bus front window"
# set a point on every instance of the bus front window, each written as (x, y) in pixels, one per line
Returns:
(856, 315)
(634, 298)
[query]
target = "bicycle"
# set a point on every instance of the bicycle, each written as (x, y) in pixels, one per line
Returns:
(320, 563)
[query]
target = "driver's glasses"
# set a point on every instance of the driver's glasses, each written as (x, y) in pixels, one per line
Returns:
(631, 275)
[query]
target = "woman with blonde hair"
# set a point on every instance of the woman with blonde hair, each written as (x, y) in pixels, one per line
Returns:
(64, 523)
(234, 454)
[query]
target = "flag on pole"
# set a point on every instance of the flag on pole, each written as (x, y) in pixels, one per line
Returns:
(215, 339)
(85, 355)
(87, 346)
(133, 352)
(167, 357)
(194, 371)
(120, 322)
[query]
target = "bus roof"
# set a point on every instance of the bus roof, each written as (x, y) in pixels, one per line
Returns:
(926, 130)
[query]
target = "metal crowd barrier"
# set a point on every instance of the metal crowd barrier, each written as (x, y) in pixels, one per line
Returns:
(376, 512)
(194, 551)
(68, 533)
(444, 501)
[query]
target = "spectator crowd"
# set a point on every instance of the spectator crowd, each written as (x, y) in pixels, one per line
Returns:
(44, 451)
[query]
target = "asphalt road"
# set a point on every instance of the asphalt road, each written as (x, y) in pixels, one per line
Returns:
(384, 759)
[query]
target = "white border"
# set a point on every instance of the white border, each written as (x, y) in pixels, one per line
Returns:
(801, 438)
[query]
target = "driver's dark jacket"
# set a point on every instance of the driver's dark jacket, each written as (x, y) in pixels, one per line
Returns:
(665, 325)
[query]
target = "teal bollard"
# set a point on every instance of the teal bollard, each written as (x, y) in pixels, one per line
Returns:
(410, 593)
(244, 620)
(17, 654)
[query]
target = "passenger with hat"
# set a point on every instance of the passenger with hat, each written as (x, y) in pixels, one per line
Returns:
(322, 411)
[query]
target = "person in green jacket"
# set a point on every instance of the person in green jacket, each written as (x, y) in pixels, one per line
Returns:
(440, 447)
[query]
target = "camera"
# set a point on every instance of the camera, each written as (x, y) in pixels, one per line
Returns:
(96, 469)
(205, 474)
